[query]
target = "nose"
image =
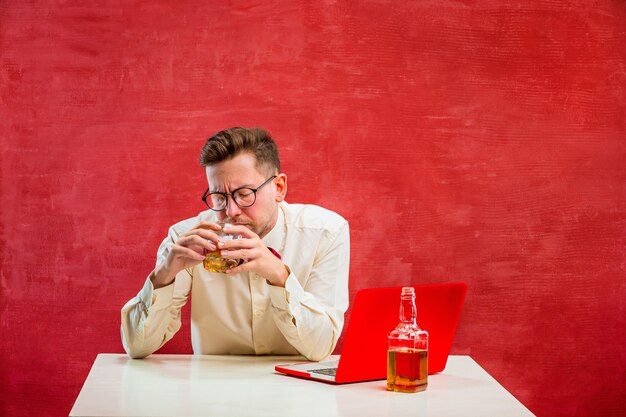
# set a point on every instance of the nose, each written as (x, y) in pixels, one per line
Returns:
(232, 209)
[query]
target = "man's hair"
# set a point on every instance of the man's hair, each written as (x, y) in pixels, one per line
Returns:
(227, 144)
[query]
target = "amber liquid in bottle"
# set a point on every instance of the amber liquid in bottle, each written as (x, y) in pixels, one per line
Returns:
(213, 262)
(407, 357)
(407, 370)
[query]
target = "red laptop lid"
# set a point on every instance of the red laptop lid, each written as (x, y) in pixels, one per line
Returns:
(375, 313)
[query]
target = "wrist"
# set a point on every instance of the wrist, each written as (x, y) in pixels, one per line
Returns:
(281, 276)
(161, 277)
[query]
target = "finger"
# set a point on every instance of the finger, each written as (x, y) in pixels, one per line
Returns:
(244, 267)
(238, 254)
(242, 231)
(235, 244)
(208, 226)
(184, 252)
(196, 240)
(208, 235)
(205, 233)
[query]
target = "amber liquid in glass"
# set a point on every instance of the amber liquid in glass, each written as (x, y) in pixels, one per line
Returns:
(213, 262)
(407, 370)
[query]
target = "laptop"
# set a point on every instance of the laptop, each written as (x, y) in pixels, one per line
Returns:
(375, 313)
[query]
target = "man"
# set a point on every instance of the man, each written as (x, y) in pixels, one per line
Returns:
(289, 292)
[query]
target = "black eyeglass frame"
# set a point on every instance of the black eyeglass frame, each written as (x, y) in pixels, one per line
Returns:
(207, 194)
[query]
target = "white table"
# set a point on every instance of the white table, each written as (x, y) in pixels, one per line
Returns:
(239, 386)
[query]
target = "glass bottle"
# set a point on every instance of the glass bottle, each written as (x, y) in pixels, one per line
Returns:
(213, 261)
(407, 356)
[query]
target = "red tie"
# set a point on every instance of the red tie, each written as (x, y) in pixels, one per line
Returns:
(276, 254)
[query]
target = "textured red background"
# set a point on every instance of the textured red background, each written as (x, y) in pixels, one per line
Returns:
(467, 140)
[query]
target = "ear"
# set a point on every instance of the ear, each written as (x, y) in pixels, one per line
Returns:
(281, 187)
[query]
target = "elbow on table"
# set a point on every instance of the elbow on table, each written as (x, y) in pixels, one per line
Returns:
(137, 353)
(317, 355)
(134, 351)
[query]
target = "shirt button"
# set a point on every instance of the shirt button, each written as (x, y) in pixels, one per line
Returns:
(258, 313)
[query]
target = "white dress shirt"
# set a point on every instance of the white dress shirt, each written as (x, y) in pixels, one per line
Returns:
(242, 313)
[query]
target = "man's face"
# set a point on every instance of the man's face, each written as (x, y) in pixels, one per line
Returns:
(240, 171)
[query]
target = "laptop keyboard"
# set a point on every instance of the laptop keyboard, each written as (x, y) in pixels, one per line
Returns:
(325, 371)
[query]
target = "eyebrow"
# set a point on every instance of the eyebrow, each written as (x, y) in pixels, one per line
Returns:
(235, 189)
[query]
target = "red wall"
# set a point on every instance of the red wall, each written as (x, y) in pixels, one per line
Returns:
(474, 141)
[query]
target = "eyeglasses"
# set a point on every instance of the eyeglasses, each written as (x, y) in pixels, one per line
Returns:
(243, 197)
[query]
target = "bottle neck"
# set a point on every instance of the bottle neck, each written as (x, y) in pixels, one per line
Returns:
(408, 312)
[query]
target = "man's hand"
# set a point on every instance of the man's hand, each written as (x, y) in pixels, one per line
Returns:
(189, 250)
(256, 256)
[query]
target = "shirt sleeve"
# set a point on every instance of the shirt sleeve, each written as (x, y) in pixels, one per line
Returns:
(152, 318)
(311, 317)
